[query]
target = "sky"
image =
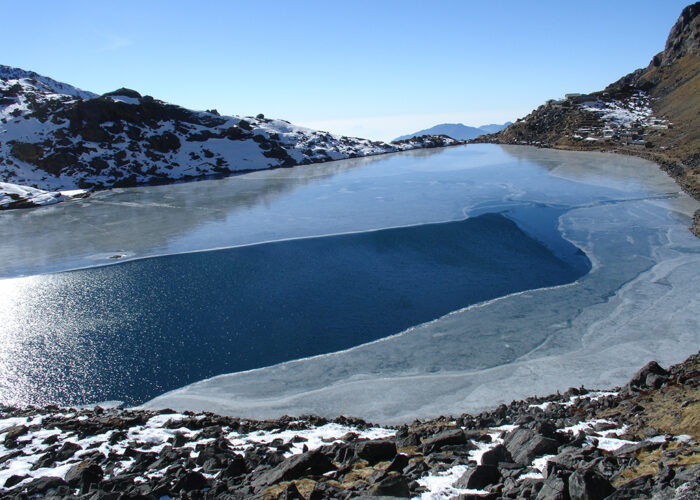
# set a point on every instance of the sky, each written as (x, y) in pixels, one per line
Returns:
(374, 69)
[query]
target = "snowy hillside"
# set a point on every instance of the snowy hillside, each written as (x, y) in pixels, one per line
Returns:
(54, 137)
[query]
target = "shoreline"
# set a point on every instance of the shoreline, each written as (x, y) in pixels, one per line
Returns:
(632, 441)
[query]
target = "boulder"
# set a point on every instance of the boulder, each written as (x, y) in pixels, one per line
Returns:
(444, 438)
(393, 484)
(479, 477)
(495, 455)
(554, 488)
(294, 467)
(588, 485)
(84, 474)
(376, 451)
(524, 445)
(651, 372)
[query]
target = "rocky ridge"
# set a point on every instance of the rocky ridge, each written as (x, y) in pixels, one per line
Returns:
(56, 137)
(653, 112)
(637, 441)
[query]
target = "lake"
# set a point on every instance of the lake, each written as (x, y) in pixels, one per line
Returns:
(309, 283)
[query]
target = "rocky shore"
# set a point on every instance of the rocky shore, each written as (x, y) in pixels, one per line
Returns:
(637, 441)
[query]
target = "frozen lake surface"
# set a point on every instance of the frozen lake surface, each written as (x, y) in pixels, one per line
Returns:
(459, 348)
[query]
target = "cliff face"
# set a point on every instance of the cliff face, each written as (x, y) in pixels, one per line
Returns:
(653, 112)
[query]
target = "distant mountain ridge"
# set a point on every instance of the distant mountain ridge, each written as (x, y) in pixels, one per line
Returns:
(54, 136)
(457, 131)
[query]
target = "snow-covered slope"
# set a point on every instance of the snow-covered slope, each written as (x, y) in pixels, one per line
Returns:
(55, 136)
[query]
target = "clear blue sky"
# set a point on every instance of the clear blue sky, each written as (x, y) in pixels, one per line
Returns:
(375, 69)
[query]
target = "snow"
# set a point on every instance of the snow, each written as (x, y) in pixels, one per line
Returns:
(635, 110)
(153, 437)
(440, 486)
(12, 193)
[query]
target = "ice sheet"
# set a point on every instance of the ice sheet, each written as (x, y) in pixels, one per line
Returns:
(640, 302)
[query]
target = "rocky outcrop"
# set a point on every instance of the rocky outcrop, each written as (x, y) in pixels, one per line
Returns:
(653, 112)
(639, 441)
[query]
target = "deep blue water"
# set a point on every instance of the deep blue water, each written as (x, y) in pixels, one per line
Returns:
(133, 330)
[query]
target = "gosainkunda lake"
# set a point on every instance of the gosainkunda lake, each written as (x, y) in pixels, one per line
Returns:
(394, 287)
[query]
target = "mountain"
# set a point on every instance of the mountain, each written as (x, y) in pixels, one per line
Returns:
(653, 112)
(54, 136)
(456, 131)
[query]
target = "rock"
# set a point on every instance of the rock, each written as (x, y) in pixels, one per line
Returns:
(294, 467)
(479, 477)
(14, 480)
(235, 467)
(398, 464)
(495, 455)
(67, 451)
(324, 491)
(192, 481)
(555, 488)
(376, 450)
(43, 485)
(635, 447)
(588, 485)
(84, 474)
(393, 485)
(639, 380)
(444, 438)
(524, 445)
(290, 493)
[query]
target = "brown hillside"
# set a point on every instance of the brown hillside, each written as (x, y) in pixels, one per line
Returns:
(668, 91)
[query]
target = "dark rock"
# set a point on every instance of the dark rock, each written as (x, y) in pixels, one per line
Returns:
(14, 480)
(498, 453)
(444, 438)
(290, 493)
(588, 485)
(376, 451)
(192, 481)
(554, 488)
(324, 491)
(310, 463)
(123, 92)
(67, 451)
(234, 468)
(392, 485)
(398, 464)
(524, 445)
(44, 484)
(84, 474)
(164, 143)
(639, 380)
(635, 447)
(479, 477)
